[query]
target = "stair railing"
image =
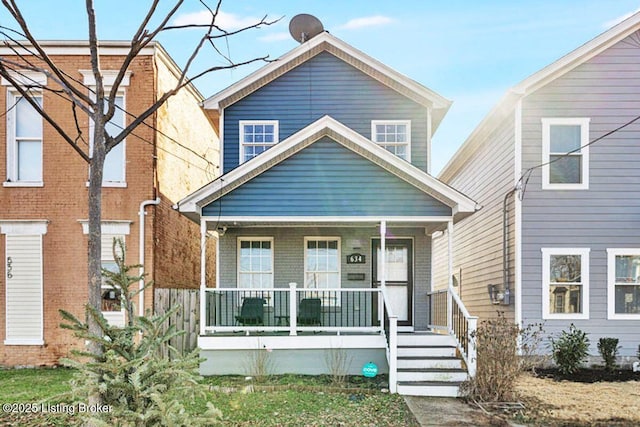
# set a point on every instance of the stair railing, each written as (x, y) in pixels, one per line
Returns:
(463, 327)
(391, 334)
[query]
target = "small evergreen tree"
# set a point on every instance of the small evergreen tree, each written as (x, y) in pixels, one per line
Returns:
(608, 349)
(570, 350)
(140, 387)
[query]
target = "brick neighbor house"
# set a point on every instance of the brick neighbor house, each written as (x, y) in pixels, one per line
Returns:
(43, 198)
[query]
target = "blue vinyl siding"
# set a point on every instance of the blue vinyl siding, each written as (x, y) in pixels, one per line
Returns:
(325, 85)
(326, 179)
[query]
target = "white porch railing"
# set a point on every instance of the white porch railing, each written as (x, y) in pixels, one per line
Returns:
(292, 310)
(391, 334)
(447, 311)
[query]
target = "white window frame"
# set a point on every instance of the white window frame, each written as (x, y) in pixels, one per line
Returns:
(243, 145)
(241, 239)
(546, 278)
(374, 135)
(326, 301)
(583, 122)
(113, 229)
(108, 81)
(12, 142)
(611, 282)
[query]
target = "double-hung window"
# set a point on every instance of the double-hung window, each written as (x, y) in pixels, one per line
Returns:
(565, 283)
(255, 262)
(565, 153)
(114, 172)
(322, 267)
(623, 283)
(394, 136)
(256, 137)
(24, 141)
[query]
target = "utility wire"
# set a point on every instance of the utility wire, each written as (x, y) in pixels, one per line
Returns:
(526, 175)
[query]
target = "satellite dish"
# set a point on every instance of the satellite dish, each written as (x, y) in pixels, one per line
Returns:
(304, 27)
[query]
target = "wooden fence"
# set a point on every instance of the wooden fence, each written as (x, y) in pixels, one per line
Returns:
(186, 318)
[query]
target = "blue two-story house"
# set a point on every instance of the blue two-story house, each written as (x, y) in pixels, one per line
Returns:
(323, 219)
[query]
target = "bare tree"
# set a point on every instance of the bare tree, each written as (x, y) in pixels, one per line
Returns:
(99, 102)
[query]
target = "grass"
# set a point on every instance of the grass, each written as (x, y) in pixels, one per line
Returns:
(285, 400)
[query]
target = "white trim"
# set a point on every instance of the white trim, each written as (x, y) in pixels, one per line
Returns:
(321, 127)
(23, 342)
(203, 272)
(241, 239)
(13, 172)
(213, 102)
(323, 239)
(408, 144)
(325, 219)
(611, 283)
(429, 142)
(221, 141)
(518, 216)
(24, 227)
(108, 78)
(120, 227)
(289, 342)
(75, 48)
(26, 78)
(584, 275)
(242, 144)
(584, 151)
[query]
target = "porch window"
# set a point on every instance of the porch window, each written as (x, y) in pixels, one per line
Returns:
(623, 283)
(394, 136)
(255, 263)
(565, 153)
(565, 278)
(257, 137)
(322, 266)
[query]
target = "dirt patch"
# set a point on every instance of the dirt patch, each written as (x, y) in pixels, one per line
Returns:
(551, 401)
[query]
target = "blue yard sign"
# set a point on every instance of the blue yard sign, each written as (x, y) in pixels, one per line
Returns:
(370, 370)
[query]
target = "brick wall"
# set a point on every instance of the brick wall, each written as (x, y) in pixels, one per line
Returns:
(63, 202)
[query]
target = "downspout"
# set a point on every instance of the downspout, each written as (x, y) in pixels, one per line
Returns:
(142, 213)
(505, 244)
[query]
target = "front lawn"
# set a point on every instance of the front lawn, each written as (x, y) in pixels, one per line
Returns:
(277, 401)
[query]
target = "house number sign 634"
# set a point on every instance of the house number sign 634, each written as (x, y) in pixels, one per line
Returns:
(9, 267)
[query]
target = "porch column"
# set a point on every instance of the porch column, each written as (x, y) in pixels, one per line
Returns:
(203, 275)
(450, 275)
(382, 268)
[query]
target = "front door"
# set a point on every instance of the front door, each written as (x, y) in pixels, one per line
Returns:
(399, 276)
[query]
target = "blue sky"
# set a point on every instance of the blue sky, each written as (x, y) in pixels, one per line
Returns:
(470, 52)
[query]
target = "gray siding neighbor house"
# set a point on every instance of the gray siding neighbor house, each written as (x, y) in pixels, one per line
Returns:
(323, 219)
(560, 152)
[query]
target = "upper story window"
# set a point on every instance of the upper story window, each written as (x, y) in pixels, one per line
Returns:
(565, 283)
(565, 153)
(256, 137)
(114, 173)
(393, 136)
(24, 141)
(623, 283)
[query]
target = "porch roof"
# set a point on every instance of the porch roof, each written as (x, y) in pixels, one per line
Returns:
(417, 188)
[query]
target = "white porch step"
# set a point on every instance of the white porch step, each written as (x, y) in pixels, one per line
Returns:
(429, 363)
(425, 339)
(432, 375)
(429, 388)
(430, 351)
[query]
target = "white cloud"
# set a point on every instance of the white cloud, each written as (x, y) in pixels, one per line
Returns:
(275, 37)
(619, 19)
(367, 21)
(226, 21)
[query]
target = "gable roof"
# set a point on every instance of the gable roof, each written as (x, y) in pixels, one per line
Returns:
(325, 42)
(541, 78)
(327, 126)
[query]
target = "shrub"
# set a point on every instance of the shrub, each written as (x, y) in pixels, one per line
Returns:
(498, 362)
(570, 350)
(141, 387)
(608, 349)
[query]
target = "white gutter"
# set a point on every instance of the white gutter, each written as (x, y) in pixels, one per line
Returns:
(142, 213)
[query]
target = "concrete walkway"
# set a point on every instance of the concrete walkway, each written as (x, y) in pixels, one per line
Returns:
(446, 411)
